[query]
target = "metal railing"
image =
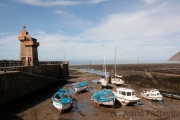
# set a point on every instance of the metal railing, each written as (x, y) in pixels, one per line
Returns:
(10, 63)
(50, 62)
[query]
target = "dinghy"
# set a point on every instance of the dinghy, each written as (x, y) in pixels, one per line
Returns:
(62, 100)
(80, 86)
(105, 97)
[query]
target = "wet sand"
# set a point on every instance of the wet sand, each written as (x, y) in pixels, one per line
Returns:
(85, 109)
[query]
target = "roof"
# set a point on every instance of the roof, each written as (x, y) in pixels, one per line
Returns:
(118, 76)
(124, 89)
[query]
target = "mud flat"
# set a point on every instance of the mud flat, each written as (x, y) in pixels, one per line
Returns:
(41, 108)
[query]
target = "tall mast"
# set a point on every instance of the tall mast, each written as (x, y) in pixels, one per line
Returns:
(104, 66)
(115, 60)
(103, 55)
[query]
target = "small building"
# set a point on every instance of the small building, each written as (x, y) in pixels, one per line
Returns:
(28, 49)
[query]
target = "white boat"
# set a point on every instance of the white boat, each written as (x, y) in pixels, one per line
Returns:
(61, 101)
(126, 96)
(103, 79)
(117, 79)
(144, 94)
(152, 95)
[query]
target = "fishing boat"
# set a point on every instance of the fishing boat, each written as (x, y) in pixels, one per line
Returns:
(126, 96)
(105, 97)
(116, 79)
(152, 95)
(80, 86)
(103, 79)
(62, 100)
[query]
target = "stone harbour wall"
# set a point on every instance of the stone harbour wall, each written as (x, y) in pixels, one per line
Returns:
(17, 84)
(53, 70)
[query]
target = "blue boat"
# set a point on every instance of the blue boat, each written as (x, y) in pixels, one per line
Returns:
(62, 100)
(105, 97)
(81, 86)
(63, 93)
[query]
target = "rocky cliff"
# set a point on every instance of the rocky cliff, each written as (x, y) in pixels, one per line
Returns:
(175, 57)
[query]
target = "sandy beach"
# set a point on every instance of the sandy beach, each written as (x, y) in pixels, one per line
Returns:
(41, 108)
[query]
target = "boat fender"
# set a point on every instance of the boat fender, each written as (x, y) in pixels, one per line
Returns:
(72, 104)
(99, 104)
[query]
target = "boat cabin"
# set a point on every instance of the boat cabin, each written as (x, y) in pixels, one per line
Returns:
(154, 93)
(125, 92)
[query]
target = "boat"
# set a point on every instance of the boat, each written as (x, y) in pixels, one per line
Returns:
(80, 86)
(116, 79)
(103, 81)
(144, 94)
(126, 96)
(62, 100)
(176, 95)
(104, 97)
(103, 78)
(152, 95)
(170, 94)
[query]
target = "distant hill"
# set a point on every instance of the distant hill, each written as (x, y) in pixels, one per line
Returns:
(175, 57)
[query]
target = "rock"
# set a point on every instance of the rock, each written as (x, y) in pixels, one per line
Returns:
(175, 57)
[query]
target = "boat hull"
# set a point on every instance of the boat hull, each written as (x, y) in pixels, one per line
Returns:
(127, 102)
(81, 89)
(155, 98)
(108, 103)
(61, 107)
(103, 82)
(117, 82)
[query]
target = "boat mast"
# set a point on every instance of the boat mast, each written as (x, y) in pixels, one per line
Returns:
(104, 66)
(103, 56)
(115, 61)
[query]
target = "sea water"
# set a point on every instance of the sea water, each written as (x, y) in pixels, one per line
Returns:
(121, 62)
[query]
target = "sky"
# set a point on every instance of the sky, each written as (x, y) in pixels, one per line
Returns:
(77, 30)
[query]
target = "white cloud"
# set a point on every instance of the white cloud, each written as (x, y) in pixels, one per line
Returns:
(150, 1)
(58, 2)
(140, 26)
(9, 42)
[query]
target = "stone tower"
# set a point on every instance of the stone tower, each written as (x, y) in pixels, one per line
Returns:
(28, 49)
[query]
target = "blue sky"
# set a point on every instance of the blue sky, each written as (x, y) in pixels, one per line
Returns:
(144, 29)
